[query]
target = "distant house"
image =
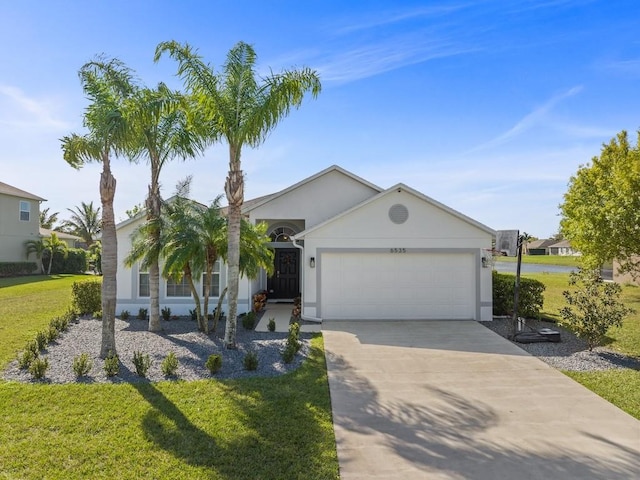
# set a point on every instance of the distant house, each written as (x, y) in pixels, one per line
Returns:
(562, 248)
(72, 241)
(19, 222)
(539, 247)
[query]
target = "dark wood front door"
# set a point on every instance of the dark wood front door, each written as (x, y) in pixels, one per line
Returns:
(285, 282)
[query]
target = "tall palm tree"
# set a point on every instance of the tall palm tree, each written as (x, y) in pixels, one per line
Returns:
(48, 221)
(84, 222)
(157, 120)
(38, 248)
(54, 245)
(106, 84)
(241, 109)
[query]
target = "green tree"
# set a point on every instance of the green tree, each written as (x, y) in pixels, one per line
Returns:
(241, 109)
(48, 220)
(54, 245)
(37, 247)
(601, 209)
(84, 222)
(593, 307)
(159, 133)
(106, 84)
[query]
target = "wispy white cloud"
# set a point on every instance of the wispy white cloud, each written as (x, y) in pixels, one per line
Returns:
(20, 110)
(629, 66)
(529, 121)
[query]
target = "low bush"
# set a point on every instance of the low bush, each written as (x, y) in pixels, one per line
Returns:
(25, 358)
(111, 364)
(166, 314)
(52, 333)
(86, 296)
(293, 341)
(250, 361)
(193, 314)
(97, 315)
(530, 297)
(124, 315)
(271, 326)
(141, 362)
(33, 346)
(14, 269)
(142, 314)
(289, 353)
(39, 367)
(214, 363)
(82, 365)
(60, 323)
(74, 261)
(249, 320)
(41, 340)
(169, 365)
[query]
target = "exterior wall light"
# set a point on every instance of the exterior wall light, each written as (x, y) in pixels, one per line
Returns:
(312, 262)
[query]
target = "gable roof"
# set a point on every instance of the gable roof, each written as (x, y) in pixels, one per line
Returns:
(257, 202)
(45, 232)
(542, 243)
(561, 244)
(16, 192)
(405, 188)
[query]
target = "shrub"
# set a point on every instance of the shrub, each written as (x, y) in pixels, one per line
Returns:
(142, 363)
(86, 296)
(82, 365)
(530, 298)
(289, 353)
(14, 269)
(194, 314)
(25, 358)
(74, 260)
(249, 320)
(98, 315)
(39, 367)
(60, 323)
(169, 365)
(166, 314)
(124, 315)
(33, 347)
(111, 364)
(52, 333)
(293, 337)
(142, 314)
(214, 363)
(593, 308)
(41, 340)
(271, 326)
(250, 361)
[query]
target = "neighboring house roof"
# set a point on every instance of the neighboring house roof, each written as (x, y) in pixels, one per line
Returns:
(542, 243)
(561, 244)
(16, 192)
(251, 204)
(44, 232)
(396, 188)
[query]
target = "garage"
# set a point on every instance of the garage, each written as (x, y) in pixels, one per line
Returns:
(398, 284)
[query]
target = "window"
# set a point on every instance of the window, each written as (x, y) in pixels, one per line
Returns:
(282, 234)
(143, 283)
(215, 282)
(25, 211)
(178, 289)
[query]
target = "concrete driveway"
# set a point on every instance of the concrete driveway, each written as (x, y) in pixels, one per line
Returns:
(453, 400)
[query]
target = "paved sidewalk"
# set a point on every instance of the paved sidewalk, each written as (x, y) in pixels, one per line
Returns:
(453, 400)
(281, 313)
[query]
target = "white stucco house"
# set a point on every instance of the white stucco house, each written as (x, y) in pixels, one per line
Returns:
(352, 250)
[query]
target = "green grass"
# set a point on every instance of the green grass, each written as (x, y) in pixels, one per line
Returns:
(567, 261)
(620, 387)
(27, 304)
(245, 429)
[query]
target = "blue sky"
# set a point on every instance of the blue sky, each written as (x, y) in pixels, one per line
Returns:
(486, 106)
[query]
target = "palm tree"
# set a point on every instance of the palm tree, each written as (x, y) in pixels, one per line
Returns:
(84, 222)
(47, 221)
(54, 245)
(159, 132)
(38, 248)
(106, 84)
(242, 110)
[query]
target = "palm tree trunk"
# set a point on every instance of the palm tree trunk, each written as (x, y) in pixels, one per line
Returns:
(153, 214)
(207, 290)
(196, 297)
(235, 195)
(216, 317)
(109, 259)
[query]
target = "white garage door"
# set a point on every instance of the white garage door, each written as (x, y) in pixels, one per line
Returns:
(399, 286)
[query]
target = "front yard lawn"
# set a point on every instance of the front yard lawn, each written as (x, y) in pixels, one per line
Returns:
(234, 429)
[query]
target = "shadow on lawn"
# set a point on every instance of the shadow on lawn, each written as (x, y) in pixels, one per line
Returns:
(257, 428)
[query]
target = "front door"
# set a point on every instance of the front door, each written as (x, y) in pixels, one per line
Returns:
(285, 282)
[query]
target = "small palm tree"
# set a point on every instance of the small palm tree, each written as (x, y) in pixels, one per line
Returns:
(38, 248)
(84, 222)
(54, 245)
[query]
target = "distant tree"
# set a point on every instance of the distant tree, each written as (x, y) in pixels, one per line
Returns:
(38, 248)
(241, 108)
(135, 210)
(601, 209)
(48, 221)
(84, 222)
(525, 238)
(54, 245)
(106, 84)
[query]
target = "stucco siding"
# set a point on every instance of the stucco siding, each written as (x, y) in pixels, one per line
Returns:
(15, 232)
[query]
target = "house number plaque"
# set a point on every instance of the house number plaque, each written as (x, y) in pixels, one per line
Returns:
(397, 250)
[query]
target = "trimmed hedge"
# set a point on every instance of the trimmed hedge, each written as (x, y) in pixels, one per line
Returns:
(75, 262)
(530, 298)
(14, 269)
(86, 296)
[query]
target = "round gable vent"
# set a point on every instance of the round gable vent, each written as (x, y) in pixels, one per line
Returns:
(398, 214)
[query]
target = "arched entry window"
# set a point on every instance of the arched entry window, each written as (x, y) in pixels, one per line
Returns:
(282, 234)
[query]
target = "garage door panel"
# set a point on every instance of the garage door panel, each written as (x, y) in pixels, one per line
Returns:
(401, 286)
